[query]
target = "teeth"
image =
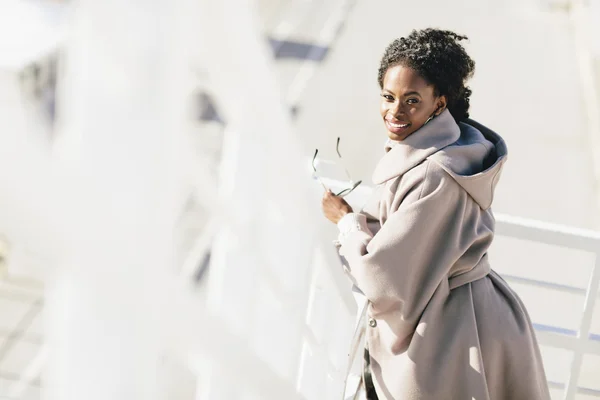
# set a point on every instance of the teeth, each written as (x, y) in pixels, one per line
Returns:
(397, 125)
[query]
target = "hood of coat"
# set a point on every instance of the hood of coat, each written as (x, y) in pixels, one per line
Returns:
(469, 152)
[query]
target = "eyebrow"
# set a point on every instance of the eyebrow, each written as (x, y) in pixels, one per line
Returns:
(405, 94)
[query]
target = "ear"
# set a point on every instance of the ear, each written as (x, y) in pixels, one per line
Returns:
(442, 103)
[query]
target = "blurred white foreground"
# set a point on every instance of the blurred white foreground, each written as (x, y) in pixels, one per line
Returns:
(127, 317)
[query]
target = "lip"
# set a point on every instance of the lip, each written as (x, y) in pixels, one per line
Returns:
(395, 128)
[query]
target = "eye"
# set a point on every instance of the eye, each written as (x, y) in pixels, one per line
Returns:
(412, 101)
(387, 97)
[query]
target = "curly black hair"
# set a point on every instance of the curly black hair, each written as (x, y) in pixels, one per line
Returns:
(439, 58)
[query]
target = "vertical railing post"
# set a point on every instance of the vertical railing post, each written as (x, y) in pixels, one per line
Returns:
(584, 329)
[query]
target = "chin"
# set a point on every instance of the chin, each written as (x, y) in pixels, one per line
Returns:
(396, 137)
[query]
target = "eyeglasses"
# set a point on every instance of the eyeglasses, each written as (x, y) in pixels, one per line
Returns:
(345, 191)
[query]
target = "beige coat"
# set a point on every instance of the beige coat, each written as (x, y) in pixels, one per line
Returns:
(441, 323)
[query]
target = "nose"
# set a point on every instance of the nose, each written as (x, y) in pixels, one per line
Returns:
(396, 109)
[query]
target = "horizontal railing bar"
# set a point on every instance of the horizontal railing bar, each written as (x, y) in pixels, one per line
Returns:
(544, 284)
(555, 385)
(563, 331)
(555, 329)
(588, 391)
(567, 342)
(544, 232)
(580, 390)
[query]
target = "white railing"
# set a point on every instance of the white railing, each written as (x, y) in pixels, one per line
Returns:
(572, 238)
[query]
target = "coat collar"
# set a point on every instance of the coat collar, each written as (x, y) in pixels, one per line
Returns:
(407, 154)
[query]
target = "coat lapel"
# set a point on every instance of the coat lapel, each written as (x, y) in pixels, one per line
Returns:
(405, 155)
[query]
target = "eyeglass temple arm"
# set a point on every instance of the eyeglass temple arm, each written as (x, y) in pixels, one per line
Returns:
(337, 149)
(349, 190)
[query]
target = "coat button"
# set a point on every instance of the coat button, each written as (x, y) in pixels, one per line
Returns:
(372, 323)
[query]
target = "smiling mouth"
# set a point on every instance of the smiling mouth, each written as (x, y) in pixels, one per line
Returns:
(396, 127)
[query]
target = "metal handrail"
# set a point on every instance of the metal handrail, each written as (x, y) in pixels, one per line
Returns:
(548, 233)
(574, 238)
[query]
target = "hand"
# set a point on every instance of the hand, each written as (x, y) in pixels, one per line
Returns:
(334, 207)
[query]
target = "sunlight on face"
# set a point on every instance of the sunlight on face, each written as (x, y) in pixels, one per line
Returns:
(407, 102)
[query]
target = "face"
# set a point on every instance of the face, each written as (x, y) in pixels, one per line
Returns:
(407, 101)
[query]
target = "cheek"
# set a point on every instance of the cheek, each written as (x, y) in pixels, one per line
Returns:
(383, 108)
(418, 112)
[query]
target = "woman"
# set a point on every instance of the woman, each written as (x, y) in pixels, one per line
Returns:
(441, 323)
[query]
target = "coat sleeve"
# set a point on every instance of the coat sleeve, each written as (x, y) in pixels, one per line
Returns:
(401, 266)
(371, 210)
